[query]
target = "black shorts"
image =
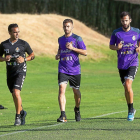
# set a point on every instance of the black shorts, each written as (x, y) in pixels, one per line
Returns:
(129, 73)
(15, 82)
(74, 80)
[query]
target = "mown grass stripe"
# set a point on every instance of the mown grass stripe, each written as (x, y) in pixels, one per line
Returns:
(57, 124)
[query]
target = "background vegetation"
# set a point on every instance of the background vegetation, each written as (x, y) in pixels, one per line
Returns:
(102, 15)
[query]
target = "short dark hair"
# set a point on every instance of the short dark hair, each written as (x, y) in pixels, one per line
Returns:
(67, 21)
(12, 26)
(123, 14)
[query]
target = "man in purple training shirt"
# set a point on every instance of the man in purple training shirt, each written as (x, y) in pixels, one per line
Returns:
(70, 46)
(125, 40)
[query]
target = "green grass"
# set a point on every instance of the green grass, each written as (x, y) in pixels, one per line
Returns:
(102, 93)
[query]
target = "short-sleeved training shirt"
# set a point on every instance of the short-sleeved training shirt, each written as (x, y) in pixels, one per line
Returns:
(69, 60)
(127, 55)
(16, 49)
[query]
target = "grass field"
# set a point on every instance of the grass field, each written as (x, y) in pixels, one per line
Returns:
(103, 106)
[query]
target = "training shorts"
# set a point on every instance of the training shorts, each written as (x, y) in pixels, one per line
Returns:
(129, 73)
(15, 82)
(74, 80)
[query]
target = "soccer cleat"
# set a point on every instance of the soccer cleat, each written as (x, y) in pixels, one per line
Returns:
(23, 118)
(17, 121)
(131, 115)
(62, 119)
(77, 115)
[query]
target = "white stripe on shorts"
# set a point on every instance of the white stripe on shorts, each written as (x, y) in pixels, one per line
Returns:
(75, 87)
(64, 82)
(130, 77)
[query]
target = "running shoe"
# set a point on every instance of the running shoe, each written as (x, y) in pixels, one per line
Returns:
(77, 115)
(23, 118)
(131, 115)
(62, 119)
(17, 121)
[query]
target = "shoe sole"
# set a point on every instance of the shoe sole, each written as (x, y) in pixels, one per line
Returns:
(62, 121)
(17, 124)
(131, 118)
(22, 123)
(78, 120)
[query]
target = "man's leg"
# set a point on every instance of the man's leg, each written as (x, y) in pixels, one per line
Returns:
(17, 100)
(77, 97)
(75, 84)
(128, 91)
(20, 113)
(18, 105)
(62, 102)
(61, 96)
(127, 77)
(129, 99)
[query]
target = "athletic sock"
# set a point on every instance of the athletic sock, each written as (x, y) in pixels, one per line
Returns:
(22, 112)
(62, 113)
(76, 108)
(17, 115)
(130, 107)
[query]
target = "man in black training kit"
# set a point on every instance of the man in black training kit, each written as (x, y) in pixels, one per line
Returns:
(14, 50)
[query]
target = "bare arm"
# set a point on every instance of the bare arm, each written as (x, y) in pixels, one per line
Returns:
(30, 57)
(2, 59)
(138, 48)
(80, 51)
(7, 58)
(58, 55)
(20, 59)
(113, 47)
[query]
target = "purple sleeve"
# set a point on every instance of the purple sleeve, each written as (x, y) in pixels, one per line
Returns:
(113, 39)
(80, 44)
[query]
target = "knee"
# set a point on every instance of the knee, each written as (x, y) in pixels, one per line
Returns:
(61, 90)
(128, 85)
(16, 93)
(76, 91)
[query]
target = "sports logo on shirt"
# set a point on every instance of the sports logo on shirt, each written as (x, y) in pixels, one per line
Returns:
(66, 58)
(17, 49)
(65, 51)
(6, 50)
(71, 42)
(134, 38)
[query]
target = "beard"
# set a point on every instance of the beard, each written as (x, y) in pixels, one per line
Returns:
(67, 32)
(126, 26)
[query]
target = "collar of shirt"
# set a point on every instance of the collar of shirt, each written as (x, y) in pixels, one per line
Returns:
(14, 42)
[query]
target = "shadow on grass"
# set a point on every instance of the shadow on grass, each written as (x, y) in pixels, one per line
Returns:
(106, 118)
(46, 126)
(72, 129)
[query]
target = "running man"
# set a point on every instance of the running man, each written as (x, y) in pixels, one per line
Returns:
(126, 41)
(70, 46)
(14, 50)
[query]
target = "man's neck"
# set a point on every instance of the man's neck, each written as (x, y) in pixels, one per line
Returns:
(13, 40)
(67, 35)
(126, 30)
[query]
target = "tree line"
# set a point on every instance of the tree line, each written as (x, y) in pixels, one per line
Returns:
(101, 15)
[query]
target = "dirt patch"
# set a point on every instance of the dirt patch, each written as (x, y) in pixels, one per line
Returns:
(42, 32)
